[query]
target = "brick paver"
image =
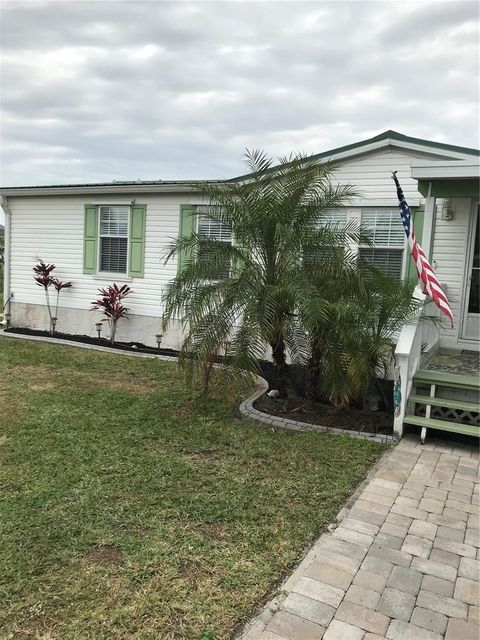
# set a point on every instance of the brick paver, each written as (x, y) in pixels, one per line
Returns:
(402, 564)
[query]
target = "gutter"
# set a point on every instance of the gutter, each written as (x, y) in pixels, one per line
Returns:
(104, 189)
(6, 266)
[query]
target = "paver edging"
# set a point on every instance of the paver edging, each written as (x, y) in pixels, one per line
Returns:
(249, 412)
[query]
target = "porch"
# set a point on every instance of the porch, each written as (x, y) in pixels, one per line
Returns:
(438, 367)
(445, 394)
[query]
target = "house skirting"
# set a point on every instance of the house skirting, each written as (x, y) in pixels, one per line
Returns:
(133, 328)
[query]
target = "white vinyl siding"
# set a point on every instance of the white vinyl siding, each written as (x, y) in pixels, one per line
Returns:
(338, 218)
(52, 228)
(388, 235)
(113, 239)
(449, 256)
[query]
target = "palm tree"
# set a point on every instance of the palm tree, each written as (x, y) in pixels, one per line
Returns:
(273, 216)
(354, 340)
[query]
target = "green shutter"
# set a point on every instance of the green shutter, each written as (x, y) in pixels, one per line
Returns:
(418, 218)
(137, 240)
(90, 239)
(186, 228)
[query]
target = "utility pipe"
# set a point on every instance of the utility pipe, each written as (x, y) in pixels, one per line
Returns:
(6, 259)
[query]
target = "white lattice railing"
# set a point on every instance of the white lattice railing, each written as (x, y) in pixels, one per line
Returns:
(415, 339)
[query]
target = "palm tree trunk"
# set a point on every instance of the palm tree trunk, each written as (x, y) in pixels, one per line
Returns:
(278, 354)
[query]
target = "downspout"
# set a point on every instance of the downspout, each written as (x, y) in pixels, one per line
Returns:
(6, 263)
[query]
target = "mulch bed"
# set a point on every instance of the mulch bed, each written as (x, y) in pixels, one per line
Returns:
(137, 347)
(297, 408)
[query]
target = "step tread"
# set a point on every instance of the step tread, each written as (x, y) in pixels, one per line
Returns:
(446, 402)
(447, 379)
(443, 425)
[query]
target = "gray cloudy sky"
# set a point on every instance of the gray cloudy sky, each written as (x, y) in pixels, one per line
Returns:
(96, 91)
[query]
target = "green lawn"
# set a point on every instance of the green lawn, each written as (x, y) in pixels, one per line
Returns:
(127, 513)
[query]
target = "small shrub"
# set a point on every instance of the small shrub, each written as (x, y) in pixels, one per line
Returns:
(45, 279)
(110, 303)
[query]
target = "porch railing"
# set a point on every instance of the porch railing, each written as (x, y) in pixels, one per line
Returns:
(416, 339)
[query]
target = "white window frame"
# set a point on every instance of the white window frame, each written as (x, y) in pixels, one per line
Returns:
(113, 274)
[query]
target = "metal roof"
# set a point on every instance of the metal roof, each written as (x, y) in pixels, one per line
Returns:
(185, 186)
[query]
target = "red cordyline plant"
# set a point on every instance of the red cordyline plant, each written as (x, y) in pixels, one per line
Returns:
(45, 279)
(110, 302)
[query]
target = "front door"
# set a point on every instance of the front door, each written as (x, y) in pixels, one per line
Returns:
(471, 324)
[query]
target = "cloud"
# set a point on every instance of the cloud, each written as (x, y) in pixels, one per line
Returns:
(95, 91)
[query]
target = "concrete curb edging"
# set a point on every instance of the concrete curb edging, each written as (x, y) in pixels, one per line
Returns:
(249, 412)
(246, 408)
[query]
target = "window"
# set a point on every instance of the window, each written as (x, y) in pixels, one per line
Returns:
(113, 238)
(336, 220)
(388, 235)
(213, 229)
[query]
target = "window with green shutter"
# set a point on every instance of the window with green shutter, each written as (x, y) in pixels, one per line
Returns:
(114, 239)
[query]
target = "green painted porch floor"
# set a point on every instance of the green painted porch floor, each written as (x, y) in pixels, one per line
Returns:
(461, 362)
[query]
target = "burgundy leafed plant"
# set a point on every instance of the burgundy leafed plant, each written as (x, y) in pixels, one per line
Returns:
(110, 303)
(45, 279)
(59, 285)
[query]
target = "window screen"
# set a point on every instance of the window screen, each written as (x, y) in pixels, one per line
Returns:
(388, 235)
(387, 260)
(215, 230)
(212, 228)
(113, 239)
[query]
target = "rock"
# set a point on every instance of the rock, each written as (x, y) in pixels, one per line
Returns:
(274, 393)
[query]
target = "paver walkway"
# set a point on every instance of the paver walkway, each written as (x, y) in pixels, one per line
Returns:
(403, 564)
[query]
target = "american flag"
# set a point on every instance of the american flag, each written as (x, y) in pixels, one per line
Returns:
(430, 285)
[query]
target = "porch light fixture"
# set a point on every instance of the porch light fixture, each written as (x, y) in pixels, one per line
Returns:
(448, 212)
(99, 327)
(158, 338)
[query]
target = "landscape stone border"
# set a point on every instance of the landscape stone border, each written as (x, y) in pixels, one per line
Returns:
(247, 410)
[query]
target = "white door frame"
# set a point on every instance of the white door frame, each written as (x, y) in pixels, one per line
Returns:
(472, 227)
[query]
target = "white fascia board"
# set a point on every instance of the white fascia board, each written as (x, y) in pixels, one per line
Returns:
(390, 142)
(454, 169)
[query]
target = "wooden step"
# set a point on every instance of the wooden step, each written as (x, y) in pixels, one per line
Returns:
(446, 379)
(443, 425)
(446, 402)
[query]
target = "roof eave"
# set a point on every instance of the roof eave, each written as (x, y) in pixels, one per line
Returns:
(98, 189)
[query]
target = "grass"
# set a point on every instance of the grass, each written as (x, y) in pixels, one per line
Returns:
(127, 512)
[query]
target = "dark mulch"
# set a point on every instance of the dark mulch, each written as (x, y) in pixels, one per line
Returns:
(137, 347)
(297, 408)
